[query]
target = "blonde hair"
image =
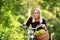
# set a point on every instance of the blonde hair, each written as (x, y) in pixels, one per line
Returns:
(40, 19)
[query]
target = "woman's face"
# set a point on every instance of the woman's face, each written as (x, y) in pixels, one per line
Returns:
(36, 14)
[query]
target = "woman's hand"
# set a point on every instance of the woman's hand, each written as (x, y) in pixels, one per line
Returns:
(23, 26)
(44, 27)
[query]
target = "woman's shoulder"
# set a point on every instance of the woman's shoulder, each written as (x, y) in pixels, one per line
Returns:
(30, 18)
(43, 19)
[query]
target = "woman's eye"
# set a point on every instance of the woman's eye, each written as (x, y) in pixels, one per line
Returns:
(34, 13)
(37, 13)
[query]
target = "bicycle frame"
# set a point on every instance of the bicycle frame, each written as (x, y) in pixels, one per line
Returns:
(31, 33)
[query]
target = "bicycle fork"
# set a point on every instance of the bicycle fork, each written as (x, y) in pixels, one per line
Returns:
(31, 35)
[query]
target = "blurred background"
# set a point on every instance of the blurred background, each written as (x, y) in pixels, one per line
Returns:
(15, 12)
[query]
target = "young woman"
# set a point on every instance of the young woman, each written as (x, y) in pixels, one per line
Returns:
(36, 19)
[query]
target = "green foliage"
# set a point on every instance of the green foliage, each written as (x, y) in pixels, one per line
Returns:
(15, 12)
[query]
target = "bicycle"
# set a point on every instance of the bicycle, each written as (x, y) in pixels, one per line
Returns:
(30, 32)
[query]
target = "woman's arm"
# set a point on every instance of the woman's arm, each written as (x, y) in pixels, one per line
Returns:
(44, 22)
(24, 26)
(29, 22)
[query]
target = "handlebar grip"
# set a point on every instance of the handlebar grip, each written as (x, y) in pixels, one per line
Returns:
(39, 27)
(23, 26)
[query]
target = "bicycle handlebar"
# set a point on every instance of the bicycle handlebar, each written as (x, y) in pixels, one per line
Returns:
(25, 27)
